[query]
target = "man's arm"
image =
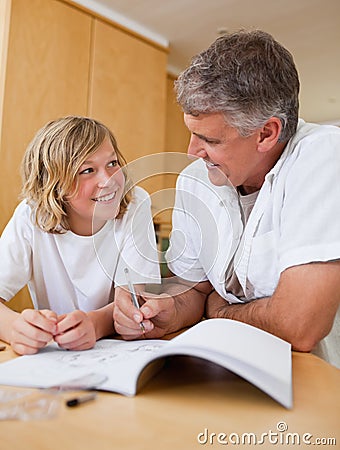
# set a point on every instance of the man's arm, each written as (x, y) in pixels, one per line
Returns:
(301, 310)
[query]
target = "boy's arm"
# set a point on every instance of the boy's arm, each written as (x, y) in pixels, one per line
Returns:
(103, 321)
(7, 317)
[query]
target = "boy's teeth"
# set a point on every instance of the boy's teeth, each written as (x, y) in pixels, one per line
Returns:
(105, 198)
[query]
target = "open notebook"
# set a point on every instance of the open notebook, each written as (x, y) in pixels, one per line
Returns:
(260, 357)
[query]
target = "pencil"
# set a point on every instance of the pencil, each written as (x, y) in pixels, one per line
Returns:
(133, 295)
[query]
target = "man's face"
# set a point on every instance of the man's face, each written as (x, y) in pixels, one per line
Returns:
(229, 157)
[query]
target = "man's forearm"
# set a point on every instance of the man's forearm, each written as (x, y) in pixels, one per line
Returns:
(301, 310)
(259, 313)
(254, 313)
(189, 300)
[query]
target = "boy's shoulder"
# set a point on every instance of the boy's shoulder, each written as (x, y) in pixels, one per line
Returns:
(22, 210)
(20, 224)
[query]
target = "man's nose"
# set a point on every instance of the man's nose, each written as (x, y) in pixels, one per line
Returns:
(196, 148)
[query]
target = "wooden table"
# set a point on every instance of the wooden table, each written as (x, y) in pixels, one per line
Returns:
(191, 404)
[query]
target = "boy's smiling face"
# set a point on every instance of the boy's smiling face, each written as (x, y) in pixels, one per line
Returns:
(100, 189)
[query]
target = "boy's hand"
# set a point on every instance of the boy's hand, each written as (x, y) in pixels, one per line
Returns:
(32, 330)
(75, 331)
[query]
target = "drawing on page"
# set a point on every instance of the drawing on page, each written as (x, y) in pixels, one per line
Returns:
(106, 354)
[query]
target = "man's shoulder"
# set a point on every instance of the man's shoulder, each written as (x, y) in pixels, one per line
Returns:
(197, 166)
(195, 171)
(194, 180)
(140, 197)
(308, 132)
(140, 194)
(304, 146)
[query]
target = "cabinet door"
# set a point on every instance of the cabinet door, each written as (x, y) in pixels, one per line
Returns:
(47, 71)
(128, 92)
(46, 77)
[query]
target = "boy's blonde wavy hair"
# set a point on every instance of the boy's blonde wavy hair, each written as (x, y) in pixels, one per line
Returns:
(51, 163)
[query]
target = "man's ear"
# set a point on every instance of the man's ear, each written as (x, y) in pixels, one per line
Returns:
(269, 134)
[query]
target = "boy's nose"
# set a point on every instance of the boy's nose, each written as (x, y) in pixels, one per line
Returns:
(103, 178)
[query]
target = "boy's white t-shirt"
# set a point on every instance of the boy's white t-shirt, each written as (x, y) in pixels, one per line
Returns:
(67, 271)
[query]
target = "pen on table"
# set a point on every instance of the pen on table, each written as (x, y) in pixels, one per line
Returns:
(80, 400)
(133, 295)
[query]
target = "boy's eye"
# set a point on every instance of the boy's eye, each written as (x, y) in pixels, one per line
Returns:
(113, 163)
(85, 171)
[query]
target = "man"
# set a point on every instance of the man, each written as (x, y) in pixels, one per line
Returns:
(256, 234)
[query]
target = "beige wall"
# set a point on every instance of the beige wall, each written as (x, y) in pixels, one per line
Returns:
(177, 139)
(177, 135)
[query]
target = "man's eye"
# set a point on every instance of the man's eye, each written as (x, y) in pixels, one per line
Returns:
(210, 141)
(85, 171)
(114, 163)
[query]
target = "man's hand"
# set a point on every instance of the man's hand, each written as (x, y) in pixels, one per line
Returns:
(127, 318)
(158, 314)
(161, 311)
(181, 306)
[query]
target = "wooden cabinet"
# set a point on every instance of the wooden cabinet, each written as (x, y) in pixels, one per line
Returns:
(128, 92)
(177, 136)
(58, 59)
(46, 76)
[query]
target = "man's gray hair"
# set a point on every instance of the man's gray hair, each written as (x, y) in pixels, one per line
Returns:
(249, 77)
